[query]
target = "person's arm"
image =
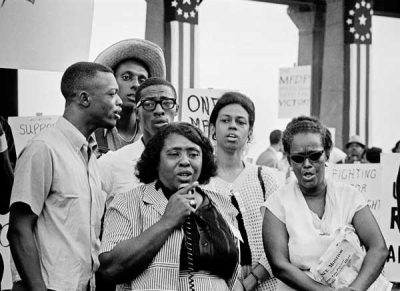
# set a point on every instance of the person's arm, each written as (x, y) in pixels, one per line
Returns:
(23, 246)
(257, 275)
(275, 239)
(371, 237)
(6, 174)
(131, 257)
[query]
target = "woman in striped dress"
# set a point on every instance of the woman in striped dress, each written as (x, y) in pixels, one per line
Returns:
(246, 185)
(171, 233)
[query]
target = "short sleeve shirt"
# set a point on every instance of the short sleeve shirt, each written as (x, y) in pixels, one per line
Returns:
(63, 189)
(310, 236)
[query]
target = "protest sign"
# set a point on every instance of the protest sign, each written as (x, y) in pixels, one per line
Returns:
(365, 177)
(196, 106)
(6, 283)
(24, 128)
(294, 91)
(389, 214)
(45, 35)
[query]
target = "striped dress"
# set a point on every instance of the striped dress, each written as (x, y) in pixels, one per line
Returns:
(248, 192)
(133, 212)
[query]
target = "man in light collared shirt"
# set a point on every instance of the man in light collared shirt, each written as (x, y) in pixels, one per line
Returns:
(56, 201)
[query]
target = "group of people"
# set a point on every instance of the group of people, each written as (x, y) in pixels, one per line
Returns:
(151, 206)
(355, 151)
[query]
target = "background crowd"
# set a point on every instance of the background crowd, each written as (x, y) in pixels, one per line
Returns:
(117, 195)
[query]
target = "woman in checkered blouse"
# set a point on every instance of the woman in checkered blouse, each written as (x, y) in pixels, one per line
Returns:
(231, 127)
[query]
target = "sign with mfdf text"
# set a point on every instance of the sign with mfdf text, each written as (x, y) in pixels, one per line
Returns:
(197, 105)
(24, 128)
(294, 91)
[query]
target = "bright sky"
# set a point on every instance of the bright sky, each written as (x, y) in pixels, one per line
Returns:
(241, 51)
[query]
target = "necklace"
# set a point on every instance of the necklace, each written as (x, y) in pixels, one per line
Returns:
(133, 136)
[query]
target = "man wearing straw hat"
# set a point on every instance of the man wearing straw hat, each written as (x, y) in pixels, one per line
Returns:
(133, 61)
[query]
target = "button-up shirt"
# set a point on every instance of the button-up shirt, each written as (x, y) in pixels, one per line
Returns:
(63, 189)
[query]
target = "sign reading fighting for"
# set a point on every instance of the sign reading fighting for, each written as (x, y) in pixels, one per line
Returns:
(294, 91)
(390, 214)
(197, 105)
(365, 177)
(378, 183)
(24, 128)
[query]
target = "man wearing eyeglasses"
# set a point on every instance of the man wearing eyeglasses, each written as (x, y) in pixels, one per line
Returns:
(156, 106)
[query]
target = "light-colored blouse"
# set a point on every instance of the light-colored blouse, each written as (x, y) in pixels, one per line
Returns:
(310, 236)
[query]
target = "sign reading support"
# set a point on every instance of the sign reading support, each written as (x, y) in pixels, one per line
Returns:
(294, 91)
(24, 128)
(197, 105)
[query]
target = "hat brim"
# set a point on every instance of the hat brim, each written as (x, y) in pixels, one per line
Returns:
(143, 50)
(349, 143)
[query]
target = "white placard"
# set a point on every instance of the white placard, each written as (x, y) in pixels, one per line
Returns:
(294, 91)
(24, 128)
(6, 283)
(389, 214)
(45, 35)
(365, 177)
(196, 107)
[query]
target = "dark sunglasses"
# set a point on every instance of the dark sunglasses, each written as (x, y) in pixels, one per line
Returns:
(312, 156)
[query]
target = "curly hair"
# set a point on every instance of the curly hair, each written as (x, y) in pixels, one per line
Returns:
(147, 166)
(307, 124)
(234, 98)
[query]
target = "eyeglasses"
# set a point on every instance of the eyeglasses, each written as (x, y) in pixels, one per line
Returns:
(313, 156)
(150, 104)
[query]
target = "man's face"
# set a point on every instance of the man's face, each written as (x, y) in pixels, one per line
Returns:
(129, 74)
(104, 102)
(355, 151)
(152, 121)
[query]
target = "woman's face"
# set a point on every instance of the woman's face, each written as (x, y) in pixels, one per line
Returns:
(310, 171)
(180, 162)
(232, 128)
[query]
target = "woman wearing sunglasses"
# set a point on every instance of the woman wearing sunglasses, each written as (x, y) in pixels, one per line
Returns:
(301, 218)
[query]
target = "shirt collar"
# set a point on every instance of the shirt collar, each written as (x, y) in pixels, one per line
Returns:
(76, 138)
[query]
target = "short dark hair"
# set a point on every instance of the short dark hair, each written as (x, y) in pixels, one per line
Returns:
(229, 98)
(275, 136)
(307, 124)
(373, 154)
(395, 146)
(147, 166)
(151, 82)
(77, 77)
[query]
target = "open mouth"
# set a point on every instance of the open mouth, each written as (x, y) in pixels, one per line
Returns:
(308, 176)
(232, 137)
(184, 176)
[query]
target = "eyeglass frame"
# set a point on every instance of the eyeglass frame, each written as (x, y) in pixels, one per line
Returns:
(156, 102)
(307, 155)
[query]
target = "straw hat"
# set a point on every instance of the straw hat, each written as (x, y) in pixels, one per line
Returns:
(143, 50)
(355, 139)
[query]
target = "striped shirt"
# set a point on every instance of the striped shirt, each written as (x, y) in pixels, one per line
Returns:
(133, 212)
